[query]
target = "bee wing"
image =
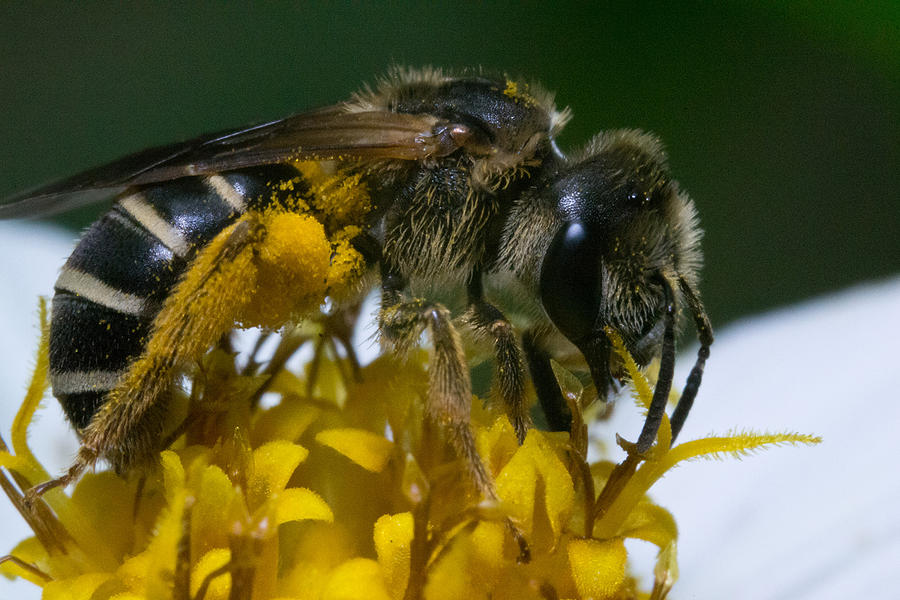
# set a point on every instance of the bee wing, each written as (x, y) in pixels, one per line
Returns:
(324, 134)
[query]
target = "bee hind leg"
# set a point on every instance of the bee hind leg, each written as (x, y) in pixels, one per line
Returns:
(127, 429)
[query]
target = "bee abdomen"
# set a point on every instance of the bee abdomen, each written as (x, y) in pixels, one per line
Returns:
(118, 277)
(91, 347)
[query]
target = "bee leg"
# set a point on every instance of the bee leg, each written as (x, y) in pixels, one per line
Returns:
(487, 321)
(704, 332)
(556, 409)
(666, 373)
(449, 389)
(127, 429)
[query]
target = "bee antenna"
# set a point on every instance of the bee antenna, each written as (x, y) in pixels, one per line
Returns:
(666, 373)
(704, 333)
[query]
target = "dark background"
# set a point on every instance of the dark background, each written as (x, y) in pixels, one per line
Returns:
(782, 122)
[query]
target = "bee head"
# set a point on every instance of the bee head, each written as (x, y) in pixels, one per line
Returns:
(625, 240)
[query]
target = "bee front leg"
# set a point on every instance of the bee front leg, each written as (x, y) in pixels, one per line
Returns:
(487, 321)
(401, 322)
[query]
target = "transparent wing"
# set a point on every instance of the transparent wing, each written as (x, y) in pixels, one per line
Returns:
(328, 133)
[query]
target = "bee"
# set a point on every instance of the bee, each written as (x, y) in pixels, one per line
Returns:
(426, 181)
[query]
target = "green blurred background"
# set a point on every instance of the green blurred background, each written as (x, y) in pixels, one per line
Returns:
(781, 120)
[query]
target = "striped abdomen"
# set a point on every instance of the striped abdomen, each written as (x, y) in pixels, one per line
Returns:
(116, 280)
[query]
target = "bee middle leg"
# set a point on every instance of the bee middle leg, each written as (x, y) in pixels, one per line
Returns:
(487, 321)
(401, 322)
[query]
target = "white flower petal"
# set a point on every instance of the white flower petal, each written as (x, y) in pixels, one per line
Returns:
(794, 523)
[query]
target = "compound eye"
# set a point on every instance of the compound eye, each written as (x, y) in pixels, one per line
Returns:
(570, 284)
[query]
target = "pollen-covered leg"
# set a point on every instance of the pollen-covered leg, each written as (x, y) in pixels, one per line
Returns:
(204, 305)
(449, 387)
(127, 429)
(487, 321)
(238, 278)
